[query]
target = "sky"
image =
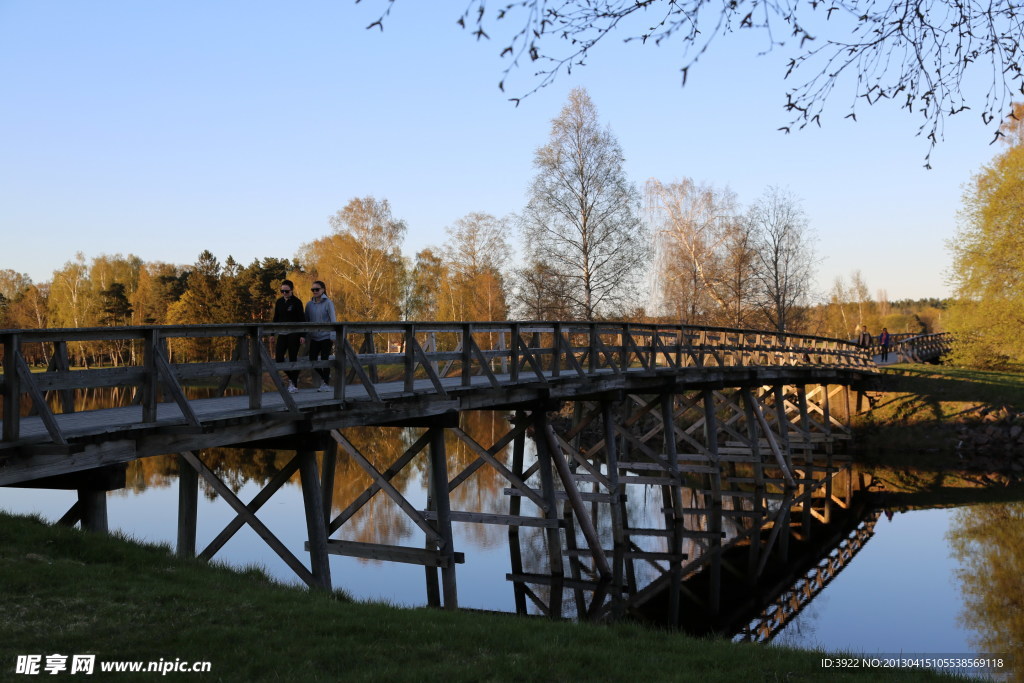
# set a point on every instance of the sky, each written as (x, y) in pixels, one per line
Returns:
(161, 129)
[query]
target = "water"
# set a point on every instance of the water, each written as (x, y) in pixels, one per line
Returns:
(917, 586)
(899, 594)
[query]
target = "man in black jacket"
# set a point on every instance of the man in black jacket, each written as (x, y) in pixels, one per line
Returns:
(288, 309)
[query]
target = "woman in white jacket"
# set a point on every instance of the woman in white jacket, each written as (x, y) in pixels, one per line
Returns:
(320, 310)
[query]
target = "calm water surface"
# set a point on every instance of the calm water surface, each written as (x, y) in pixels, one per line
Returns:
(909, 590)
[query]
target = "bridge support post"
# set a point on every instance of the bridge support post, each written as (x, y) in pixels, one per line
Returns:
(759, 509)
(442, 505)
(554, 537)
(715, 511)
(316, 526)
(188, 508)
(330, 466)
(618, 506)
(807, 483)
(92, 505)
(674, 505)
(515, 509)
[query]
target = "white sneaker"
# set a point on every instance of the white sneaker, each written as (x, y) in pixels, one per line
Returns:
(324, 387)
(292, 389)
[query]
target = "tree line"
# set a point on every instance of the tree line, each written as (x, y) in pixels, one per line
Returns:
(593, 247)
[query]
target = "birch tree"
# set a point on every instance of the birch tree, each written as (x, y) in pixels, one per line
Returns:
(784, 265)
(582, 219)
(703, 253)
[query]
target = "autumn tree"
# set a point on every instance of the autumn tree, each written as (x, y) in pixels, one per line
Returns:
(71, 303)
(988, 258)
(200, 304)
(159, 286)
(476, 253)
(582, 220)
(13, 285)
(361, 262)
(427, 275)
(784, 263)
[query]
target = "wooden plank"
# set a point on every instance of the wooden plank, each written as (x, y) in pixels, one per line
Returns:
(259, 527)
(357, 367)
(427, 367)
(502, 520)
(392, 553)
(549, 580)
(166, 373)
(25, 376)
(270, 367)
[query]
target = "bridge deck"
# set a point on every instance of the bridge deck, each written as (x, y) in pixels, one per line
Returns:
(112, 435)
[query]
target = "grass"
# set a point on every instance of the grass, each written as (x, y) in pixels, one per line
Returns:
(914, 422)
(65, 591)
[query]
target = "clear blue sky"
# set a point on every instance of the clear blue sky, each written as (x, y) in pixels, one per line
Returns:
(164, 128)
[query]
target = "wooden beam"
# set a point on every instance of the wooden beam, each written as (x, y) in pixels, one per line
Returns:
(259, 527)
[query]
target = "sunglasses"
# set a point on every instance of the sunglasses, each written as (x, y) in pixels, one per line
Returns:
(315, 289)
(286, 291)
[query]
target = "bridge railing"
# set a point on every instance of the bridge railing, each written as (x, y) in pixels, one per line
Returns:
(914, 347)
(154, 365)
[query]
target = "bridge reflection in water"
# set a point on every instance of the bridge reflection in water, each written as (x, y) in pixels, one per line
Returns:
(734, 437)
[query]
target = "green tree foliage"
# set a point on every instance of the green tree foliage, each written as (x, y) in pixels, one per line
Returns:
(582, 219)
(159, 286)
(988, 259)
(117, 310)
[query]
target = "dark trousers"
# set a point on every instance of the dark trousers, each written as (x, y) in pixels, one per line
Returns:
(321, 350)
(289, 343)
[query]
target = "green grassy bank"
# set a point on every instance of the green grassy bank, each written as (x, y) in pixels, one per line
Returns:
(938, 417)
(69, 592)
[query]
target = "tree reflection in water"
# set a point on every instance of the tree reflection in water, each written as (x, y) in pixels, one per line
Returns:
(380, 521)
(988, 541)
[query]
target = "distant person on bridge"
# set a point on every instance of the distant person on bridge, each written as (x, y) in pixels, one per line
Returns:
(321, 310)
(288, 309)
(883, 341)
(865, 337)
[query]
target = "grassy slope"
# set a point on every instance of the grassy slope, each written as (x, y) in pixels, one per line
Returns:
(914, 421)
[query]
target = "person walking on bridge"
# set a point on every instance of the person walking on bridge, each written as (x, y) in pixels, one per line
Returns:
(865, 337)
(288, 309)
(883, 341)
(321, 310)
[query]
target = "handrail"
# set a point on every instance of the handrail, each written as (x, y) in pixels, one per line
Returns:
(371, 354)
(914, 347)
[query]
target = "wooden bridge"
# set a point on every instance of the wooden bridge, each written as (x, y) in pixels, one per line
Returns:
(740, 431)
